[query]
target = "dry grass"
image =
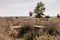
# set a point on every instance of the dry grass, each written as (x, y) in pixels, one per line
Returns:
(48, 37)
(55, 22)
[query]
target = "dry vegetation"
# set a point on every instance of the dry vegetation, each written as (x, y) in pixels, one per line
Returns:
(52, 22)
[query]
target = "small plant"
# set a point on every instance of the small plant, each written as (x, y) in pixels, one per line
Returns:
(51, 30)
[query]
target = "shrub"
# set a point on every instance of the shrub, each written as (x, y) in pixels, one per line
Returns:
(27, 33)
(52, 27)
(47, 16)
(23, 30)
(51, 30)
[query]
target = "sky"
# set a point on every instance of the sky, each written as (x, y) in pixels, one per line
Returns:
(23, 7)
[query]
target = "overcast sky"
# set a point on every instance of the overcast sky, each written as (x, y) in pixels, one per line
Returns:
(22, 7)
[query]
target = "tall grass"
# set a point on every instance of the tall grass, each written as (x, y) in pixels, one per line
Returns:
(52, 27)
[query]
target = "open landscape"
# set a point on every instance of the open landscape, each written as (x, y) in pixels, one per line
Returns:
(29, 20)
(7, 22)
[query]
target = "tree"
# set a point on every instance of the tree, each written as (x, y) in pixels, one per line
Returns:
(58, 16)
(39, 9)
(30, 13)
